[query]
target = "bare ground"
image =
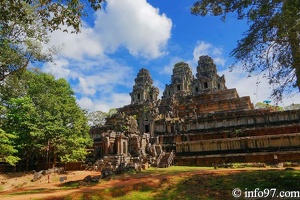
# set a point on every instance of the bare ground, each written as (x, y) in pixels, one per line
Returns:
(20, 187)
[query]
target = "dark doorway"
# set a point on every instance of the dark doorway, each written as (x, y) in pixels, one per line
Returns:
(205, 85)
(147, 128)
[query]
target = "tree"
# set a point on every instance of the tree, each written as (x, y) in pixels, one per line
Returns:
(52, 14)
(7, 148)
(42, 112)
(22, 123)
(24, 25)
(293, 106)
(97, 118)
(271, 46)
(112, 111)
(263, 105)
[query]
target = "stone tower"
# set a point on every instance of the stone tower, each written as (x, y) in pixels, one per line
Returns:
(207, 77)
(181, 81)
(143, 89)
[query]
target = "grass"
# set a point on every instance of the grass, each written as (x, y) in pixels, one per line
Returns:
(179, 182)
(33, 191)
(201, 186)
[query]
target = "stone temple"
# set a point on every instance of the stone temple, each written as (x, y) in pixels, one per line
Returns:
(197, 121)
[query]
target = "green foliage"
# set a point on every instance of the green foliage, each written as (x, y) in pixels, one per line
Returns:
(42, 112)
(24, 26)
(7, 149)
(271, 45)
(261, 105)
(97, 118)
(51, 14)
(292, 107)
(181, 182)
(21, 42)
(112, 111)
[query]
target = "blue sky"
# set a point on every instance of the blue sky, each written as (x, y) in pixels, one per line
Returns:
(102, 61)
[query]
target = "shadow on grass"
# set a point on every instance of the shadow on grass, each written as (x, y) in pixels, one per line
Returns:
(218, 186)
(207, 186)
(33, 191)
(16, 174)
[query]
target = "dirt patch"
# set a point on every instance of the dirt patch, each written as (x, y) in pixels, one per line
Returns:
(13, 183)
(21, 188)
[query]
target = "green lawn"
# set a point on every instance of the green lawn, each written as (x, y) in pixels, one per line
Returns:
(184, 183)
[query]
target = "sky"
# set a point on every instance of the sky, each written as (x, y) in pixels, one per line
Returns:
(102, 61)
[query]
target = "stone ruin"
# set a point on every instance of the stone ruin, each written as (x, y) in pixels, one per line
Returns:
(198, 119)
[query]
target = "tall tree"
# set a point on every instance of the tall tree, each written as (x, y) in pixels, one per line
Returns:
(24, 26)
(271, 46)
(7, 148)
(45, 117)
(22, 122)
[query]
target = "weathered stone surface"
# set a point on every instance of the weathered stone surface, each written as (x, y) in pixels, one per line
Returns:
(143, 89)
(240, 144)
(207, 77)
(87, 179)
(181, 81)
(37, 176)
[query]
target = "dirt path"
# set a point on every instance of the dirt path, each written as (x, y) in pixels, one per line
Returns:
(52, 190)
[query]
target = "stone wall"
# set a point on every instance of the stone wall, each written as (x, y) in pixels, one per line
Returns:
(246, 118)
(262, 157)
(228, 120)
(240, 144)
(189, 109)
(232, 132)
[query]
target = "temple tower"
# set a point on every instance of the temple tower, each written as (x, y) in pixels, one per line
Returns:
(207, 77)
(181, 81)
(143, 89)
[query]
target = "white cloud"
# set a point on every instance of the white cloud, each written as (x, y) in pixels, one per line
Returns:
(77, 46)
(137, 26)
(86, 103)
(86, 86)
(84, 60)
(205, 48)
(168, 69)
(247, 86)
(59, 68)
(161, 87)
(114, 100)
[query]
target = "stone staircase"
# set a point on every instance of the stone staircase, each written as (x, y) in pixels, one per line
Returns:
(165, 159)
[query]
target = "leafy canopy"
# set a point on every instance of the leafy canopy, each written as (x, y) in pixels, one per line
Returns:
(24, 26)
(44, 118)
(271, 46)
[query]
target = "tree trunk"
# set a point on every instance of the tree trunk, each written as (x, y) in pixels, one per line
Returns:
(54, 159)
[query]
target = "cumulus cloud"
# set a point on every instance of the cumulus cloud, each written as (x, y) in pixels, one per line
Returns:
(78, 46)
(86, 59)
(256, 87)
(168, 69)
(115, 100)
(59, 68)
(205, 48)
(138, 27)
